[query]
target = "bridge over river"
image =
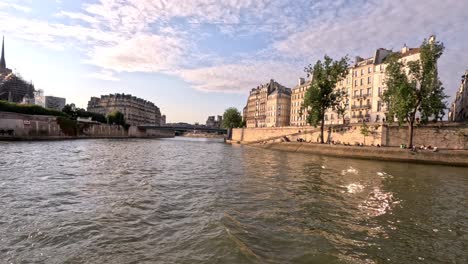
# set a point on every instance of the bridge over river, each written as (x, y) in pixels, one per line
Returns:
(178, 130)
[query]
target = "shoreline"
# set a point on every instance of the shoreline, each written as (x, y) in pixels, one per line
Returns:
(457, 158)
(202, 135)
(65, 138)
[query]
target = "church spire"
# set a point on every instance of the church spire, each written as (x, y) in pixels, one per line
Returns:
(2, 58)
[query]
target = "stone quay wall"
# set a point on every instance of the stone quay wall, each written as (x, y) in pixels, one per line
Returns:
(15, 126)
(442, 157)
(137, 132)
(442, 135)
(27, 126)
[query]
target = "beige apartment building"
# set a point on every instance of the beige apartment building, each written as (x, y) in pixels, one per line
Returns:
(278, 108)
(136, 110)
(363, 87)
(459, 107)
(268, 105)
(299, 115)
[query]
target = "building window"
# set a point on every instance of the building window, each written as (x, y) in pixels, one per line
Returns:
(362, 71)
(368, 91)
(368, 80)
(369, 70)
(379, 106)
(355, 83)
(362, 81)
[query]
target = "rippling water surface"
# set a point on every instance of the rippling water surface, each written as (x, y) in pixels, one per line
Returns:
(200, 201)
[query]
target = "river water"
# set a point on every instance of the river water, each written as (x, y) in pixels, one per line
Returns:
(201, 201)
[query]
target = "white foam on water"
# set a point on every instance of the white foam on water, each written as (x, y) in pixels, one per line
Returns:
(349, 170)
(354, 188)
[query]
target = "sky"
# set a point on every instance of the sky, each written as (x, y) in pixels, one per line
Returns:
(195, 58)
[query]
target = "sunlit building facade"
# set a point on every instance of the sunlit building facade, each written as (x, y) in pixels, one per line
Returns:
(135, 110)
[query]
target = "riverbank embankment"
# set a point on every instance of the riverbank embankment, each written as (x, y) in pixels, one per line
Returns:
(451, 140)
(202, 135)
(441, 157)
(23, 127)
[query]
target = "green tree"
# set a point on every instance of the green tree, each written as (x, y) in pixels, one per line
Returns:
(414, 87)
(232, 118)
(75, 112)
(322, 94)
(341, 107)
(365, 131)
(116, 118)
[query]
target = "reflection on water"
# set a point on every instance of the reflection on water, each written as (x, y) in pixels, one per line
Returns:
(200, 201)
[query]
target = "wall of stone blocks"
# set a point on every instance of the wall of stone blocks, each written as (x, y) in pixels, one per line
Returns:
(349, 134)
(20, 125)
(259, 134)
(443, 136)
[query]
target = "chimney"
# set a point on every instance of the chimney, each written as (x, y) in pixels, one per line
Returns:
(404, 49)
(301, 81)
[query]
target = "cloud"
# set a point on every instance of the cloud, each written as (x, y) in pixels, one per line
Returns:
(9, 5)
(166, 36)
(387, 24)
(104, 75)
(239, 77)
(141, 53)
(78, 16)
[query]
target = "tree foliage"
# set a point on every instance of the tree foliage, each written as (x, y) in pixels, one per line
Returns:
(28, 109)
(322, 94)
(75, 112)
(232, 118)
(414, 87)
(365, 131)
(116, 118)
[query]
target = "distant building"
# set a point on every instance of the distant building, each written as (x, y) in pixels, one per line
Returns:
(299, 115)
(137, 111)
(211, 122)
(260, 113)
(39, 98)
(278, 108)
(12, 87)
(163, 120)
(459, 107)
(56, 103)
(4, 71)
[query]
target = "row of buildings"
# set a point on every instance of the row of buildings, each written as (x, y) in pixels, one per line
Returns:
(214, 122)
(273, 105)
(14, 89)
(459, 107)
(136, 111)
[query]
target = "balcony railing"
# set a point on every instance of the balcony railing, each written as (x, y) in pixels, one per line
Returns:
(357, 96)
(361, 116)
(365, 106)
